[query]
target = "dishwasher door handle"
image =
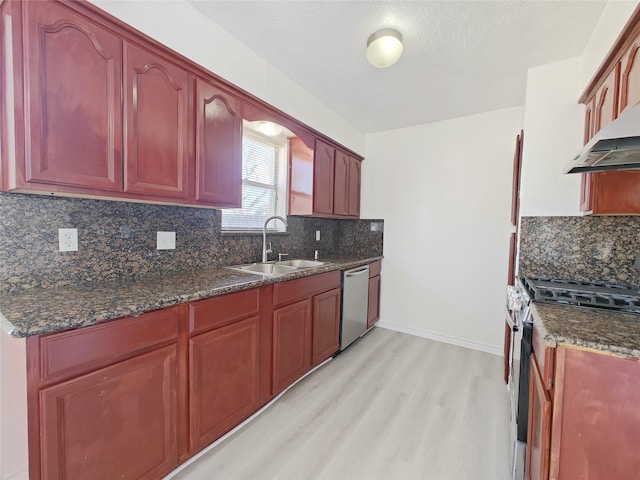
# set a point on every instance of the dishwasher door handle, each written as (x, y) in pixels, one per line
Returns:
(354, 273)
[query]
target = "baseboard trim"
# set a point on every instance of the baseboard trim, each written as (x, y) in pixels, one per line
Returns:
(418, 332)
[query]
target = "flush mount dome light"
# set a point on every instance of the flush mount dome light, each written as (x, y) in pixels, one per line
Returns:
(270, 129)
(384, 47)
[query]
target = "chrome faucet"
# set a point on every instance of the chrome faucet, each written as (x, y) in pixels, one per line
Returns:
(264, 235)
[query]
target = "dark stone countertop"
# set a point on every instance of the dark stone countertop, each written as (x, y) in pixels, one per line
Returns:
(46, 311)
(596, 329)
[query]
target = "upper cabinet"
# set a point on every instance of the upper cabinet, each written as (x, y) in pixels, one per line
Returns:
(73, 117)
(614, 88)
(89, 106)
(156, 135)
(323, 182)
(218, 146)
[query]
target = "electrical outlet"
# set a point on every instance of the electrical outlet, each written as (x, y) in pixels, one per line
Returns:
(67, 239)
(636, 264)
(376, 226)
(166, 241)
(317, 235)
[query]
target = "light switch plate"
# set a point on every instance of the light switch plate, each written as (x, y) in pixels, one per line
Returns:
(67, 239)
(376, 226)
(166, 241)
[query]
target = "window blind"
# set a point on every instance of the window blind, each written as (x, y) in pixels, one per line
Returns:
(263, 188)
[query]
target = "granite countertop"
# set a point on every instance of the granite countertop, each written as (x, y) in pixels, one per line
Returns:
(596, 329)
(45, 311)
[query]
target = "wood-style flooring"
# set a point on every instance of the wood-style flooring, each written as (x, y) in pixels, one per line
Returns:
(392, 406)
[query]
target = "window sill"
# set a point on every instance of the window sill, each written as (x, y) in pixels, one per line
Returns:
(236, 233)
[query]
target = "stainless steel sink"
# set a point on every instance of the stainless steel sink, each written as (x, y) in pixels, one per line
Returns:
(267, 269)
(301, 263)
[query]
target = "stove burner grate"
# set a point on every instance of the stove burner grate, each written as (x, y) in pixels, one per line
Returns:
(586, 294)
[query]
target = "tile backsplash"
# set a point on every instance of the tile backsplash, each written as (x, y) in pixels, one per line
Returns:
(117, 240)
(593, 248)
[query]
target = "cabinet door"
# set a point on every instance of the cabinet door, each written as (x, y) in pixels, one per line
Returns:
(156, 125)
(606, 101)
(300, 178)
(323, 166)
(326, 325)
(539, 428)
(341, 184)
(73, 81)
(596, 421)
(291, 344)
(630, 76)
(223, 380)
(354, 187)
(373, 310)
(604, 111)
(118, 422)
(218, 147)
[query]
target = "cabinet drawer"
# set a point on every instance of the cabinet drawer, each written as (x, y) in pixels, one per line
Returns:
(374, 268)
(219, 311)
(545, 357)
(287, 292)
(78, 351)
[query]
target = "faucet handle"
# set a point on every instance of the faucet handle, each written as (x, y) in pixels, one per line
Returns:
(280, 255)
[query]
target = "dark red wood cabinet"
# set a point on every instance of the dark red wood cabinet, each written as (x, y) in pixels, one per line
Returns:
(306, 320)
(341, 184)
(582, 417)
(373, 307)
(323, 178)
(539, 427)
(218, 146)
(111, 391)
(614, 88)
(291, 343)
(323, 182)
(156, 134)
(73, 81)
(102, 110)
(127, 411)
(355, 166)
(223, 380)
(326, 325)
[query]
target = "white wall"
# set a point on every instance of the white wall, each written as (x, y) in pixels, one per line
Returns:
(553, 131)
(13, 408)
(181, 27)
(444, 191)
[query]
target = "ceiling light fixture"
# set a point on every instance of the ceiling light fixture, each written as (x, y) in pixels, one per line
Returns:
(384, 47)
(270, 129)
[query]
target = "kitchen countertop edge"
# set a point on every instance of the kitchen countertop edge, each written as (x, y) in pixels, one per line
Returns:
(52, 310)
(601, 331)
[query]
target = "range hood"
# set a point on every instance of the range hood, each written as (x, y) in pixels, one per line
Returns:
(615, 147)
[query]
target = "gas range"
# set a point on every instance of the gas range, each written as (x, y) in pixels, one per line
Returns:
(585, 294)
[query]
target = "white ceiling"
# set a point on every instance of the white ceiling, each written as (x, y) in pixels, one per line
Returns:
(460, 57)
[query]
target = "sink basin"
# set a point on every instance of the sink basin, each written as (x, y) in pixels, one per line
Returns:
(265, 268)
(301, 263)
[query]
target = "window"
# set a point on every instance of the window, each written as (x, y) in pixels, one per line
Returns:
(264, 180)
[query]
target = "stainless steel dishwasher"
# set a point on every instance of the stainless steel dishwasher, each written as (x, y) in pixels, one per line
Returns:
(355, 299)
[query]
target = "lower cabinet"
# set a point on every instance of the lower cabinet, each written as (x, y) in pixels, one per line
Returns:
(306, 326)
(291, 343)
(539, 426)
(223, 380)
(583, 422)
(373, 308)
(326, 325)
(117, 422)
(135, 397)
(104, 401)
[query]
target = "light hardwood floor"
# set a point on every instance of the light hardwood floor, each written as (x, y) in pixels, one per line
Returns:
(392, 406)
